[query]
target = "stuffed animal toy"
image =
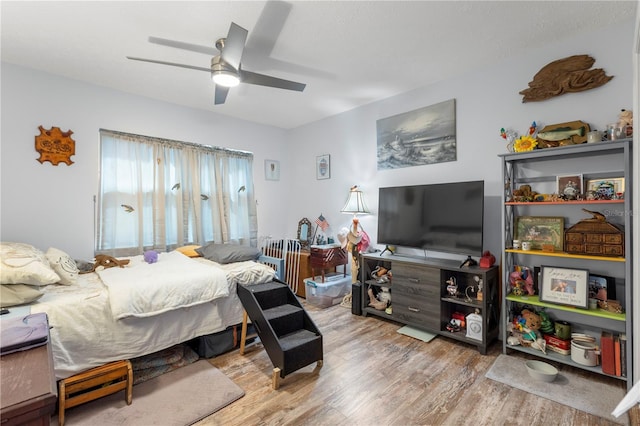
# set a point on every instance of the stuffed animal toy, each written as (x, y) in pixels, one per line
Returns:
(522, 282)
(532, 324)
(625, 120)
(524, 194)
(532, 321)
(104, 261)
(150, 256)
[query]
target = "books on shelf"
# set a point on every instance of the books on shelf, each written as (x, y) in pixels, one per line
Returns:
(613, 354)
(623, 355)
(607, 353)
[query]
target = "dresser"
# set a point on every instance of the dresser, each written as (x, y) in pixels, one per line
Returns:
(28, 392)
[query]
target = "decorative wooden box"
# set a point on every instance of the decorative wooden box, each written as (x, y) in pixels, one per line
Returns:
(594, 237)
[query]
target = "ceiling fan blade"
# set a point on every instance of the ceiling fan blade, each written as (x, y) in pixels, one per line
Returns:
(267, 30)
(173, 64)
(234, 45)
(256, 60)
(207, 50)
(221, 94)
(266, 80)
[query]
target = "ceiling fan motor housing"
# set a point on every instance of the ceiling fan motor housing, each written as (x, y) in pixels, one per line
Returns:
(220, 67)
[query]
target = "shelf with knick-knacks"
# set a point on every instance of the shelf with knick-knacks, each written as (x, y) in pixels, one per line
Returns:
(594, 239)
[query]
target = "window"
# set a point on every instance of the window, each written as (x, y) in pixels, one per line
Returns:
(158, 194)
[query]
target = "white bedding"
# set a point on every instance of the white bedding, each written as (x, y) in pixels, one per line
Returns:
(85, 333)
(175, 281)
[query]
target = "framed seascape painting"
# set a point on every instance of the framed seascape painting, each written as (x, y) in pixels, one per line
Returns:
(415, 138)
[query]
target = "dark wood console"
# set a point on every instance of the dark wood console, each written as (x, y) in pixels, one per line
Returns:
(420, 298)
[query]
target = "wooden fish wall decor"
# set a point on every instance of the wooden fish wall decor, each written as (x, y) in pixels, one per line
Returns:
(571, 74)
(55, 146)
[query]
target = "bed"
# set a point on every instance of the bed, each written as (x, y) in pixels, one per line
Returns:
(102, 318)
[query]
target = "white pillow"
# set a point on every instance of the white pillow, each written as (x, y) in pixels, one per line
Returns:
(25, 264)
(18, 294)
(63, 265)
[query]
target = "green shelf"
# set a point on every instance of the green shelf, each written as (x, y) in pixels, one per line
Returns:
(535, 300)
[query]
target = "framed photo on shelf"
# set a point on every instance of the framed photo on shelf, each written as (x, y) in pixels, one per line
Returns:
(540, 230)
(569, 186)
(271, 170)
(565, 286)
(323, 166)
(605, 189)
(602, 287)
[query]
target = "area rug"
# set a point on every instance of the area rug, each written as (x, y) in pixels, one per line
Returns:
(179, 397)
(594, 394)
(416, 333)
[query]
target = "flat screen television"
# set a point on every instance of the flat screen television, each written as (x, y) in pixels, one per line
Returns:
(446, 217)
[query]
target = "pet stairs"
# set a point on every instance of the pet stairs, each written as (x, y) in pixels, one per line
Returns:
(286, 330)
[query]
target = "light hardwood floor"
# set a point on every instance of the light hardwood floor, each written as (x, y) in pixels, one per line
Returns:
(374, 376)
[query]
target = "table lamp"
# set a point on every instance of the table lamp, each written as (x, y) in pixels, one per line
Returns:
(355, 205)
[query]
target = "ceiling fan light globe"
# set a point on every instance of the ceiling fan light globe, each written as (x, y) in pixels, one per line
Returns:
(225, 79)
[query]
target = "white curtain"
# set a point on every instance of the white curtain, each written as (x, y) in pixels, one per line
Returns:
(160, 194)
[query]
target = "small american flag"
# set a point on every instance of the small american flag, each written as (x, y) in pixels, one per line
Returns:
(322, 222)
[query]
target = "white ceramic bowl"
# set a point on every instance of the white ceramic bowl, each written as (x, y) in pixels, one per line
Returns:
(541, 370)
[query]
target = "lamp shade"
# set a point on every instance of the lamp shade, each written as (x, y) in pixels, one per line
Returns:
(355, 203)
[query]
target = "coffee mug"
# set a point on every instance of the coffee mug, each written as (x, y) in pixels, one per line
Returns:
(526, 245)
(516, 244)
(563, 330)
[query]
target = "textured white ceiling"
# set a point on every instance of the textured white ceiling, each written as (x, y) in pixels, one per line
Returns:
(349, 53)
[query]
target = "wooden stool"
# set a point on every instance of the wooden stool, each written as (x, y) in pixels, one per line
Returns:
(93, 384)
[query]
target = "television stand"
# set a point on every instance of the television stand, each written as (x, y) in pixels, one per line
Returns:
(468, 262)
(421, 296)
(386, 248)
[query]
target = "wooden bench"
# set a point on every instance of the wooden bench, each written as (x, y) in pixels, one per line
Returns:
(93, 384)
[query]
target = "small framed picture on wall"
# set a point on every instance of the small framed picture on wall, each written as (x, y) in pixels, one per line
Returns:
(323, 167)
(271, 170)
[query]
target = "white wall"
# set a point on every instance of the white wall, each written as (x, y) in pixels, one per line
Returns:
(53, 205)
(486, 101)
(48, 205)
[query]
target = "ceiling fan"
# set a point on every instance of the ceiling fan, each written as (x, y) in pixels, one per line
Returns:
(226, 70)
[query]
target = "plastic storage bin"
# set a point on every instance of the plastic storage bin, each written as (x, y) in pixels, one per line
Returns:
(327, 293)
